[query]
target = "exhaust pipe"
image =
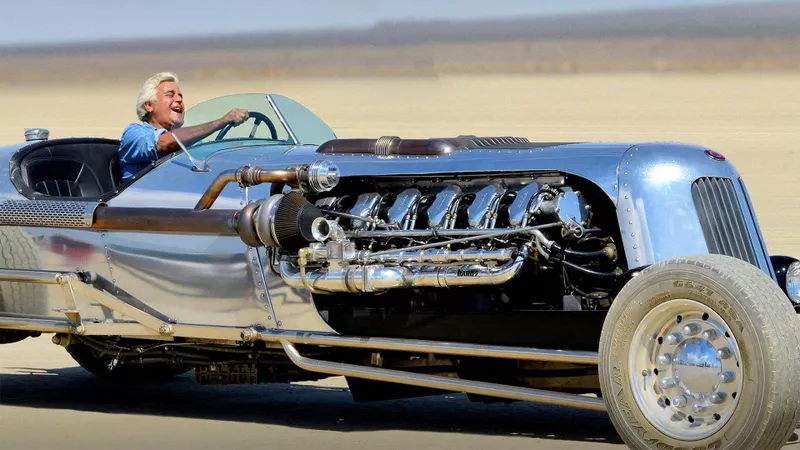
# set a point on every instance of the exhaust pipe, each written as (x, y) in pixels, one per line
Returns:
(376, 278)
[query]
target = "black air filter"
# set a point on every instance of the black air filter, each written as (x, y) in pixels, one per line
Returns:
(284, 221)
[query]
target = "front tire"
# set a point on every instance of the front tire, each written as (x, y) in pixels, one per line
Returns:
(701, 352)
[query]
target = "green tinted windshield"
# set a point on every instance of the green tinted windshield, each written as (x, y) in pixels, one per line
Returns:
(272, 117)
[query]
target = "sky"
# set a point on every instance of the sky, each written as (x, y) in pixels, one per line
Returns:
(62, 21)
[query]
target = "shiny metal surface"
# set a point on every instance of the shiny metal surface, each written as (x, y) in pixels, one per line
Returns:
(444, 383)
(480, 234)
(366, 206)
(518, 211)
(687, 387)
(404, 209)
(443, 207)
(36, 134)
(572, 208)
(47, 213)
(722, 219)
(251, 176)
(179, 271)
(436, 256)
(283, 120)
(655, 204)
(484, 208)
(325, 203)
(455, 232)
(793, 281)
(197, 166)
(376, 278)
(194, 279)
(8, 322)
(31, 276)
(322, 176)
(422, 346)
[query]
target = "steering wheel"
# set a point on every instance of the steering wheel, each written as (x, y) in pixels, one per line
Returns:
(259, 117)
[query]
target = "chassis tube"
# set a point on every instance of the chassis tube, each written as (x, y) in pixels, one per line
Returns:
(443, 383)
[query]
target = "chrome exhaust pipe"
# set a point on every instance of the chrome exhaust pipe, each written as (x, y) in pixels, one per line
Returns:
(376, 278)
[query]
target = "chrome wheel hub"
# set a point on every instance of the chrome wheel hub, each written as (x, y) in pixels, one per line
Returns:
(685, 369)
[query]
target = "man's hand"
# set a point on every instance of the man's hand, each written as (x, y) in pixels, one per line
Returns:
(189, 135)
(236, 116)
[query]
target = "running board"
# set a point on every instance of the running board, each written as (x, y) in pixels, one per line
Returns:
(442, 383)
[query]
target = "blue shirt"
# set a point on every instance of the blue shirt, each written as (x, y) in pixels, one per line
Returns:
(137, 148)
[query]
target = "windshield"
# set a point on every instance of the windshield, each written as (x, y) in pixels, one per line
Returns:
(272, 117)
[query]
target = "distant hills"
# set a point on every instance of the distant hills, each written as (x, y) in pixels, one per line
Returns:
(749, 36)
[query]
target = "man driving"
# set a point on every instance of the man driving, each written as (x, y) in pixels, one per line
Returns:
(160, 109)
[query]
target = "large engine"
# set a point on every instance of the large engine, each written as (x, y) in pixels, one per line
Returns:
(532, 241)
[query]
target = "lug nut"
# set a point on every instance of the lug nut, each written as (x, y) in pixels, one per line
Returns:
(710, 335)
(676, 418)
(679, 401)
(723, 353)
(664, 360)
(666, 383)
(718, 397)
(690, 329)
(699, 407)
(673, 339)
(727, 377)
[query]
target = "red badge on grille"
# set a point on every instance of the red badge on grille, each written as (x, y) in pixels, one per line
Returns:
(715, 155)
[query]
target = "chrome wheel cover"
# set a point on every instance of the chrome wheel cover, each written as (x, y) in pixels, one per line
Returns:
(685, 369)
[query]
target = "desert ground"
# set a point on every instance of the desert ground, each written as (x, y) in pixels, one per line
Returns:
(752, 118)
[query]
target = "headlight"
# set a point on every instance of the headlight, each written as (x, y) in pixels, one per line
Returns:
(793, 282)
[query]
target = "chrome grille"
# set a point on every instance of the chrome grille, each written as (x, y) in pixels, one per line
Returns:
(722, 219)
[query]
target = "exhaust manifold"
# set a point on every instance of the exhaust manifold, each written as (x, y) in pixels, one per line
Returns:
(376, 278)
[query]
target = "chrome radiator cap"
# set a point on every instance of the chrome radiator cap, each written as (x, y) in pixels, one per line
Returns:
(36, 134)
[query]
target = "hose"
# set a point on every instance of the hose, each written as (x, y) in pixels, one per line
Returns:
(585, 271)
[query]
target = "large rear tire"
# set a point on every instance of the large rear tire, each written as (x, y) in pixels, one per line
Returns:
(18, 251)
(98, 364)
(701, 352)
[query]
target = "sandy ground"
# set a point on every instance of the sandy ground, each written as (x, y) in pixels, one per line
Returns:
(45, 401)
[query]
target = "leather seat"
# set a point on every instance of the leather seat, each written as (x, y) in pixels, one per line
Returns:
(69, 168)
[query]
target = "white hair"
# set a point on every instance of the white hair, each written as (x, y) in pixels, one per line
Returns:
(148, 92)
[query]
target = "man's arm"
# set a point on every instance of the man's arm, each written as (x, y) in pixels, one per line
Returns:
(166, 143)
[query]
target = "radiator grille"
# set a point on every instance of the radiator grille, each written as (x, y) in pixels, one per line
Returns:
(722, 219)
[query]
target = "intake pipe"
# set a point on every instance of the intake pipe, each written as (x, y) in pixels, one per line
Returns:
(377, 278)
(319, 176)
